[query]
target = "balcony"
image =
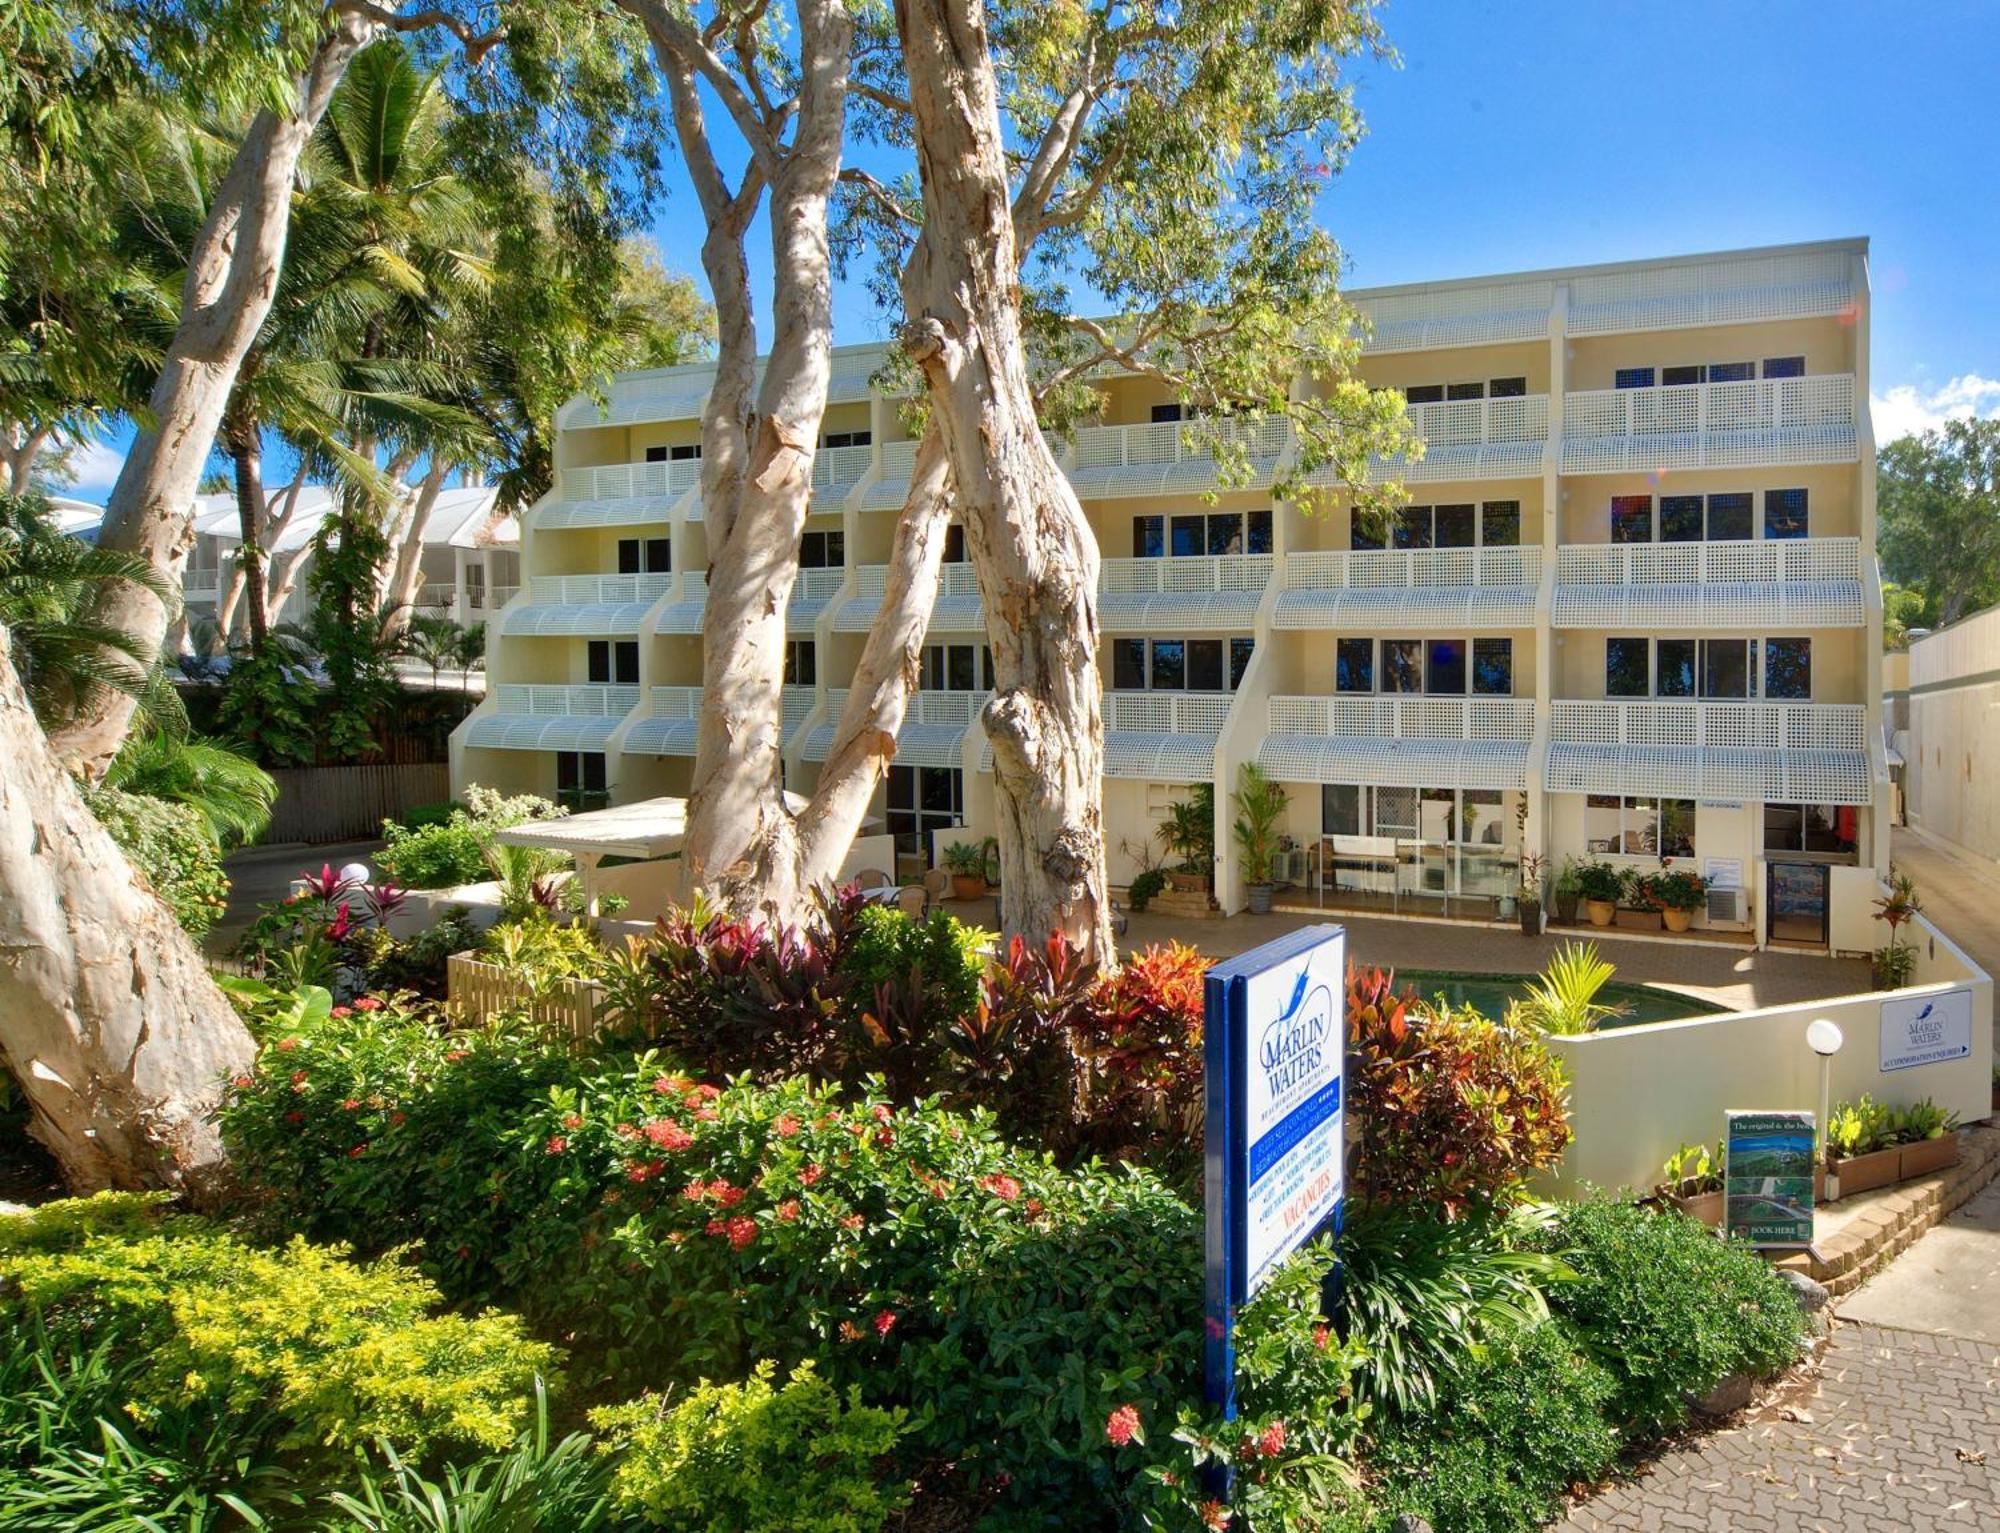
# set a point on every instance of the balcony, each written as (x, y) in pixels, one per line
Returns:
(552, 718)
(837, 467)
(1789, 583)
(892, 486)
(617, 495)
(811, 591)
(1468, 439)
(956, 609)
(1397, 588)
(1199, 593)
(586, 605)
(1157, 458)
(200, 585)
(1163, 736)
(668, 729)
(690, 604)
(1766, 422)
(933, 732)
(1400, 741)
(1812, 753)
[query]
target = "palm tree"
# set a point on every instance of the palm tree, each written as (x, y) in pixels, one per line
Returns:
(47, 580)
(229, 790)
(432, 641)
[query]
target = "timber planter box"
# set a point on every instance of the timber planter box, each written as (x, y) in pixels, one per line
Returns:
(1927, 1155)
(1632, 920)
(1864, 1173)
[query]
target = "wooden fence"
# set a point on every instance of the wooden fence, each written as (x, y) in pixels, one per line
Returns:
(574, 1008)
(350, 803)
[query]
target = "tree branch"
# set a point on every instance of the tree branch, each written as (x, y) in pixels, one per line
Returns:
(476, 44)
(881, 196)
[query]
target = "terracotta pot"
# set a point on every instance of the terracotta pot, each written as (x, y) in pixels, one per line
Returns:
(1601, 912)
(968, 886)
(1862, 1173)
(1928, 1155)
(1677, 920)
(1702, 1207)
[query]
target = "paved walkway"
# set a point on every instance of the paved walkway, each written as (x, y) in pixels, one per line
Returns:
(1901, 1432)
(259, 875)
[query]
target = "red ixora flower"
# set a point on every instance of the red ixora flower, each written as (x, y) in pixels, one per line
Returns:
(851, 1221)
(1271, 1441)
(286, 1045)
(788, 1211)
(885, 1321)
(295, 1116)
(645, 1171)
(667, 1134)
(453, 1056)
(882, 1112)
(341, 1011)
(572, 1120)
(723, 1193)
(810, 1174)
(786, 1126)
(741, 1230)
(1321, 1336)
(1122, 1425)
(668, 1085)
(357, 1152)
(1214, 1515)
(244, 1083)
(352, 1104)
(1002, 1187)
(695, 1190)
(557, 1144)
(368, 1003)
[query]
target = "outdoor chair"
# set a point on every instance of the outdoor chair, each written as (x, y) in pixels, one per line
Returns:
(937, 884)
(914, 901)
(873, 878)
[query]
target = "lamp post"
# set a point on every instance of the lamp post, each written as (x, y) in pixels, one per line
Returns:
(1824, 1038)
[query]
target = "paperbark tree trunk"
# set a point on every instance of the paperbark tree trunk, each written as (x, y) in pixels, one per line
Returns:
(406, 573)
(109, 1021)
(247, 452)
(20, 448)
(1035, 556)
(231, 280)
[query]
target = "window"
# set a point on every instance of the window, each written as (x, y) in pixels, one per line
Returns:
(1465, 391)
(686, 452)
(656, 455)
(1240, 651)
(1216, 532)
(1413, 527)
(1493, 667)
(645, 556)
(614, 660)
(1827, 829)
(1367, 531)
(1500, 524)
(1639, 827)
(954, 543)
(1402, 665)
(1507, 388)
(1631, 518)
(1204, 665)
(1424, 394)
(1164, 413)
(1627, 669)
(1785, 514)
(1467, 817)
(1673, 671)
(1729, 518)
(1673, 377)
(1725, 667)
(1731, 372)
(580, 779)
(1634, 378)
(848, 439)
(1340, 809)
(1128, 665)
(801, 663)
(1788, 669)
(1179, 665)
(1149, 537)
(1168, 659)
(956, 668)
(1454, 527)
(1445, 666)
(822, 550)
(921, 801)
(1784, 367)
(1354, 665)
(1680, 518)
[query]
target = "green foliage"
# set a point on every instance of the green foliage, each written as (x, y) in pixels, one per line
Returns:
(1423, 1298)
(1452, 1111)
(906, 981)
(1691, 1170)
(1144, 886)
(1188, 831)
(1514, 1428)
(1260, 809)
(449, 851)
(542, 950)
(1858, 1128)
(1600, 881)
(1666, 1308)
(272, 702)
(1140, 1034)
(965, 859)
(750, 1458)
(346, 1354)
(230, 791)
(170, 844)
(1671, 889)
(1564, 999)
(1939, 495)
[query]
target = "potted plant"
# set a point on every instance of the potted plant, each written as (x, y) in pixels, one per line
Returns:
(1928, 1137)
(1566, 891)
(1859, 1154)
(1529, 906)
(1694, 1183)
(965, 861)
(1895, 963)
(1188, 832)
(1600, 886)
(1260, 806)
(1676, 893)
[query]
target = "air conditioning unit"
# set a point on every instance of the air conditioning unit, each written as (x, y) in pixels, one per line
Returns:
(1725, 905)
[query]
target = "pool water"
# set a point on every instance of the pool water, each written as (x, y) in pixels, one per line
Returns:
(1489, 994)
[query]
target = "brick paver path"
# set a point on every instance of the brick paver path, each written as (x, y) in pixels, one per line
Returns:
(1892, 1438)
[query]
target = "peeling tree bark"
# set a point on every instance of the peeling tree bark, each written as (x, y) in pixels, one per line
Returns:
(405, 573)
(1033, 551)
(109, 1021)
(231, 281)
(246, 449)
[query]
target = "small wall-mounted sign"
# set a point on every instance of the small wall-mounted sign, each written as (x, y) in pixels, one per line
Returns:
(1926, 1030)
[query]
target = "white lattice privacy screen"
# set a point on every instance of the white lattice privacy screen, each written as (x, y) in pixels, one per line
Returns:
(1408, 742)
(1157, 457)
(1812, 753)
(933, 733)
(1477, 588)
(1800, 583)
(586, 605)
(684, 613)
(669, 726)
(1185, 594)
(1766, 422)
(811, 591)
(1799, 284)
(1158, 736)
(552, 718)
(956, 609)
(617, 495)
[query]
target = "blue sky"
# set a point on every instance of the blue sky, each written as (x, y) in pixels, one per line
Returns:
(1539, 133)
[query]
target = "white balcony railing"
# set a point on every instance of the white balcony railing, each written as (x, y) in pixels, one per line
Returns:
(677, 702)
(1471, 422)
(626, 481)
(1510, 719)
(1766, 562)
(597, 590)
(840, 465)
(1150, 443)
(1803, 582)
(200, 585)
(1202, 575)
(815, 586)
(489, 599)
(591, 700)
(1711, 425)
(1674, 722)
(1170, 713)
(1390, 568)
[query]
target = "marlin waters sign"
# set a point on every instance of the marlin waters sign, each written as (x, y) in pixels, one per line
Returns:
(1926, 1030)
(1275, 1150)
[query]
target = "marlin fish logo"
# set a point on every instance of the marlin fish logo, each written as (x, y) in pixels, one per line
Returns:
(1929, 1007)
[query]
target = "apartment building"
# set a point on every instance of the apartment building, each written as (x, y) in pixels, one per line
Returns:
(1631, 613)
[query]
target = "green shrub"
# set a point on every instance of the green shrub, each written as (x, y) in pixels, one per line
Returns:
(748, 1458)
(345, 1354)
(541, 950)
(443, 855)
(1145, 884)
(173, 846)
(1666, 1308)
(1452, 1111)
(1513, 1430)
(431, 814)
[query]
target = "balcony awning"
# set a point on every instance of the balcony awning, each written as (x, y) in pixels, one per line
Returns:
(1178, 611)
(1711, 772)
(1770, 605)
(662, 735)
(1475, 607)
(542, 731)
(1395, 763)
(625, 511)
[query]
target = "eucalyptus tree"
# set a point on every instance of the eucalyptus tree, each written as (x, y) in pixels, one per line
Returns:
(1940, 503)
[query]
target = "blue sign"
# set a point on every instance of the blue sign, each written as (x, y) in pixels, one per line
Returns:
(1276, 1143)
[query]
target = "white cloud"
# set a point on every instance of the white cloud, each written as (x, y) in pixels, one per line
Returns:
(95, 468)
(1907, 408)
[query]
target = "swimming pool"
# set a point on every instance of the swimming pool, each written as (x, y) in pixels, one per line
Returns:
(1489, 994)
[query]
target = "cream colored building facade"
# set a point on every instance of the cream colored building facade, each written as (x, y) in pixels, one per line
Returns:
(1949, 737)
(1632, 611)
